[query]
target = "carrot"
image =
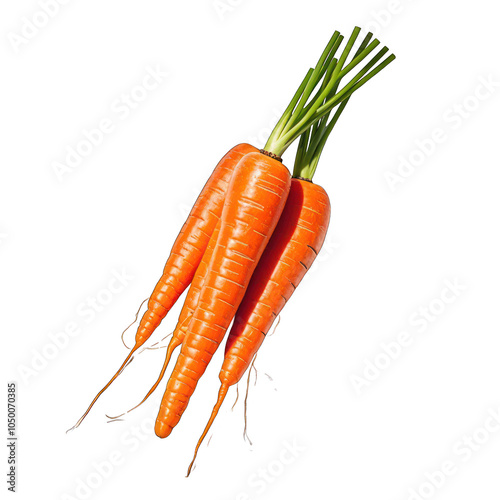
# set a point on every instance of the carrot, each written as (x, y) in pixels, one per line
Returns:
(254, 201)
(185, 255)
(290, 252)
(191, 243)
(194, 291)
(185, 315)
(292, 249)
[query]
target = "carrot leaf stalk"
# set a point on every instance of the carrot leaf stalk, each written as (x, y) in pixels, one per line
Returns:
(313, 140)
(305, 111)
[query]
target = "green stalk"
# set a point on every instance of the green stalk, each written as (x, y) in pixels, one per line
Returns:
(319, 70)
(320, 130)
(311, 113)
(315, 76)
(300, 156)
(355, 84)
(306, 164)
(326, 90)
(316, 73)
(346, 91)
(313, 140)
(288, 111)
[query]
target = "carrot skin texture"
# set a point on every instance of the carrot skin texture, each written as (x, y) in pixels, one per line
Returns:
(297, 240)
(194, 290)
(187, 311)
(254, 201)
(191, 243)
(186, 254)
(294, 245)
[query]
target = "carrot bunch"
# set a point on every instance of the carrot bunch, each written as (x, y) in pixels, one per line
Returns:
(251, 236)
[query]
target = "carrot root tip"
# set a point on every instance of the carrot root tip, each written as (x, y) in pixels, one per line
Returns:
(127, 361)
(136, 316)
(220, 399)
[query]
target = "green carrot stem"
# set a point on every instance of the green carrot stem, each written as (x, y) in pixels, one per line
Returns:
(313, 140)
(288, 111)
(305, 165)
(321, 67)
(306, 112)
(307, 116)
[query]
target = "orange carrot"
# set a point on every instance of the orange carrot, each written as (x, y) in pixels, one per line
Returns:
(186, 253)
(186, 313)
(290, 252)
(254, 201)
(193, 294)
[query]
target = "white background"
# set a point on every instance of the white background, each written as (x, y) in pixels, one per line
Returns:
(390, 251)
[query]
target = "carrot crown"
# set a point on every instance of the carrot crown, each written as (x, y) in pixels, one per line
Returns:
(305, 111)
